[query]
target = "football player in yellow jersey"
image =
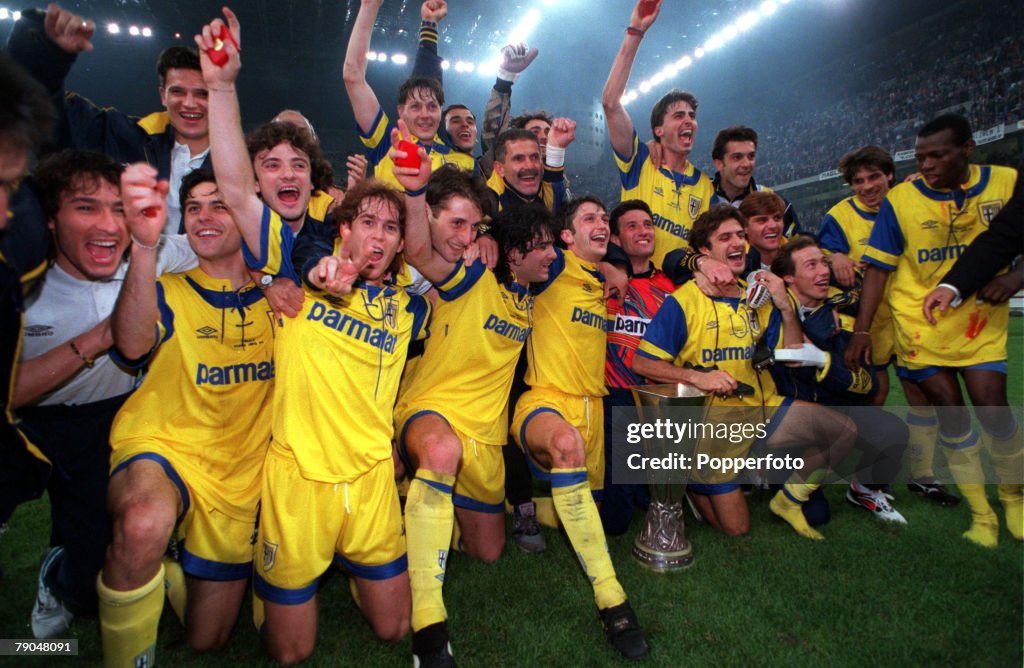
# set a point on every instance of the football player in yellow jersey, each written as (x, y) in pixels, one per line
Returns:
(559, 421)
(919, 232)
(844, 231)
(522, 174)
(452, 409)
(676, 190)
(202, 476)
(420, 100)
(329, 465)
(684, 330)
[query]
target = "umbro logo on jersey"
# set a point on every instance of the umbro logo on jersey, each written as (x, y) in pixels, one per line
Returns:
(713, 324)
(587, 288)
(660, 192)
(206, 332)
(929, 224)
(39, 330)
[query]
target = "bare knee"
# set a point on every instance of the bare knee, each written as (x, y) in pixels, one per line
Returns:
(487, 553)
(391, 629)
(289, 651)
(440, 453)
(567, 449)
(208, 640)
(141, 533)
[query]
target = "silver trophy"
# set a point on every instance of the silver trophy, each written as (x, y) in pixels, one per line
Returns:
(661, 544)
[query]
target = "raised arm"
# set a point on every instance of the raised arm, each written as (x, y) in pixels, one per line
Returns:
(230, 157)
(515, 58)
(135, 314)
(620, 126)
(428, 62)
(364, 101)
(419, 250)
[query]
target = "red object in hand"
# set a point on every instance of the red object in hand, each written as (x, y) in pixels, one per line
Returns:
(647, 7)
(217, 54)
(412, 154)
(150, 212)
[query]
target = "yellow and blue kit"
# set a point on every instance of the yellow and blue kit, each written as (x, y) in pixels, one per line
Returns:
(378, 142)
(676, 199)
(203, 414)
(465, 374)
(846, 229)
(346, 355)
(565, 357)
(918, 235)
(551, 194)
(719, 332)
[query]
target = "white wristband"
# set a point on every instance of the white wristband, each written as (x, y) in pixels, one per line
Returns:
(554, 156)
(507, 76)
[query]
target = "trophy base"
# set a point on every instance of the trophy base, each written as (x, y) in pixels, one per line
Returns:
(661, 545)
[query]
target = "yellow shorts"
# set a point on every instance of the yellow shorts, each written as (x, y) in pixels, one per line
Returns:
(585, 414)
(883, 337)
(211, 544)
(480, 480)
(306, 525)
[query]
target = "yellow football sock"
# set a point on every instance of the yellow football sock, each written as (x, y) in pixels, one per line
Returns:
(129, 621)
(575, 506)
(963, 456)
(175, 588)
(546, 513)
(429, 520)
(787, 504)
(923, 426)
(1008, 461)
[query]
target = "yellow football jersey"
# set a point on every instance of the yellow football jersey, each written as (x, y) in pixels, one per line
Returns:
(552, 190)
(207, 394)
(378, 143)
(723, 332)
(918, 235)
(566, 350)
(479, 328)
(339, 362)
(675, 199)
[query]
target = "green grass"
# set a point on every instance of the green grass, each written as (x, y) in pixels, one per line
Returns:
(869, 595)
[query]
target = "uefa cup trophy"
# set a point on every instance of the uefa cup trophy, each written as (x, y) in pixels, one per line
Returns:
(661, 544)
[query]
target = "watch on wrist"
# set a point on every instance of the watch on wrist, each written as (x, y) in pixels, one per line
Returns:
(266, 280)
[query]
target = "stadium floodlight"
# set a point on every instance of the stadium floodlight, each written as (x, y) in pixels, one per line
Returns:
(488, 68)
(445, 65)
(698, 52)
(521, 32)
(133, 31)
(147, 32)
(748, 21)
(16, 16)
(715, 42)
(645, 86)
(768, 8)
(4, 14)
(371, 55)
(684, 62)
(399, 58)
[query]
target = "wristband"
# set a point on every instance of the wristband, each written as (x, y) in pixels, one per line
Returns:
(142, 245)
(417, 192)
(554, 156)
(87, 360)
(505, 75)
(630, 30)
(862, 331)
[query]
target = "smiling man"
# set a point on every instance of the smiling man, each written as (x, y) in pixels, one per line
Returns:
(921, 229)
(676, 190)
(559, 421)
(69, 388)
(521, 175)
(175, 141)
(420, 100)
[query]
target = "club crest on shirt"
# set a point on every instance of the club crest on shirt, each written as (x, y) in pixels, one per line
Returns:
(694, 206)
(269, 555)
(989, 210)
(659, 191)
(391, 313)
